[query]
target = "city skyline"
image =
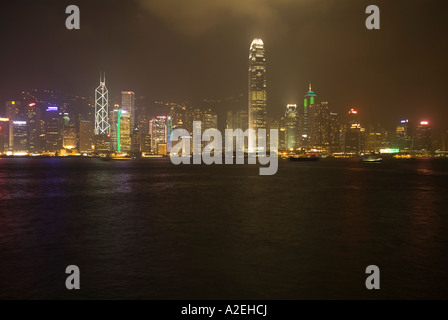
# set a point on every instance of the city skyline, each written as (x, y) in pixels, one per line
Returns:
(233, 150)
(176, 65)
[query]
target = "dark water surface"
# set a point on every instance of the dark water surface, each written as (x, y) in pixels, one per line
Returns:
(151, 230)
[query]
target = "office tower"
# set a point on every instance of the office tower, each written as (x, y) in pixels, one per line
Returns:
(4, 135)
(237, 120)
(158, 132)
(308, 104)
(128, 105)
(20, 137)
(291, 128)
(52, 130)
(135, 148)
(124, 131)
(13, 114)
(257, 89)
(192, 114)
(143, 126)
(319, 126)
(169, 132)
(282, 134)
(354, 134)
(376, 139)
(85, 136)
(113, 122)
(13, 110)
(69, 135)
(147, 148)
(403, 135)
(229, 120)
(209, 120)
(102, 126)
(423, 139)
(33, 119)
(335, 134)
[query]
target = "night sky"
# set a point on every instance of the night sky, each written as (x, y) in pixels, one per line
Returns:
(192, 49)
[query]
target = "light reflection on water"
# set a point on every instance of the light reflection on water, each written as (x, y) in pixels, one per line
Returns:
(148, 229)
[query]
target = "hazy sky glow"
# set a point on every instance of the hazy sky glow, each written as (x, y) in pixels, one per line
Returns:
(189, 49)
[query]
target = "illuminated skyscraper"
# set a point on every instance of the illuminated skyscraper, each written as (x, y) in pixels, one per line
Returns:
(423, 135)
(52, 130)
(113, 122)
(102, 126)
(128, 105)
(136, 147)
(169, 131)
(257, 89)
(354, 134)
(290, 125)
(210, 120)
(12, 113)
(69, 136)
(4, 135)
(308, 104)
(20, 136)
(335, 133)
(404, 135)
(85, 136)
(319, 121)
(158, 132)
(33, 118)
(124, 131)
(237, 120)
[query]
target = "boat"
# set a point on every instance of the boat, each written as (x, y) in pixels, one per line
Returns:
(304, 158)
(372, 160)
(119, 157)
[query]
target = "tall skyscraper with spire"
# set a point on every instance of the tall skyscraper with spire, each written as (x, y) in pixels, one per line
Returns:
(308, 104)
(257, 90)
(102, 126)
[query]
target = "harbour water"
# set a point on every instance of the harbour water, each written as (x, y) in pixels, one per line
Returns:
(146, 229)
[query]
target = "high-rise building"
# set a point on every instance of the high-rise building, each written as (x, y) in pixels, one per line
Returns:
(13, 110)
(291, 127)
(33, 119)
(423, 137)
(85, 136)
(52, 130)
(113, 121)
(354, 134)
(257, 89)
(306, 125)
(209, 120)
(128, 105)
(158, 132)
(102, 126)
(169, 132)
(376, 139)
(124, 131)
(13, 114)
(403, 133)
(335, 133)
(237, 120)
(136, 147)
(20, 136)
(69, 136)
(4, 135)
